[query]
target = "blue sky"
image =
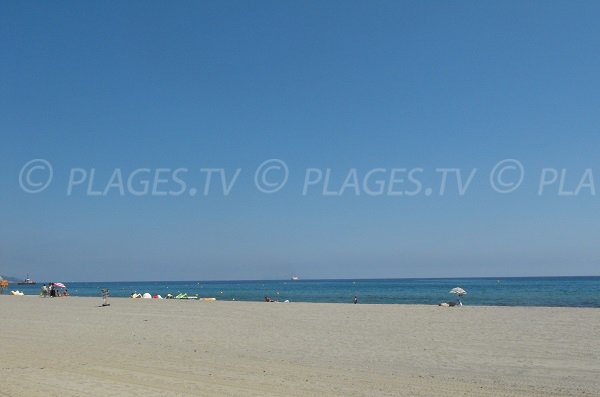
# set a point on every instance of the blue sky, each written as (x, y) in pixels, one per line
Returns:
(335, 85)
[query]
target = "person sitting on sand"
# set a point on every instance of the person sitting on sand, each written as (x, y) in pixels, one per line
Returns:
(66, 293)
(448, 304)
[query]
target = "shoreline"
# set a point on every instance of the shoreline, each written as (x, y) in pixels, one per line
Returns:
(465, 305)
(541, 292)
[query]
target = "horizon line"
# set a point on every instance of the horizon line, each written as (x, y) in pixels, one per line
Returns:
(324, 279)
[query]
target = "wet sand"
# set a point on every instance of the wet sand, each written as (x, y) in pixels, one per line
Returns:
(72, 347)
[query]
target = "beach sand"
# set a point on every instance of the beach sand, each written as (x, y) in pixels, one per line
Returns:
(72, 347)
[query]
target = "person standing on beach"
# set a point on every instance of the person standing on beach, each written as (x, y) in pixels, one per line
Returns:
(355, 299)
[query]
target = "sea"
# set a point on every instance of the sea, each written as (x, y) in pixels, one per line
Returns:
(517, 291)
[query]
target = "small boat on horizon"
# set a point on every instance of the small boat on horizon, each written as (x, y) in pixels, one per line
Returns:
(27, 281)
(295, 278)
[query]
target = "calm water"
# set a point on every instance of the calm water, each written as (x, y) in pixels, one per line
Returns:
(556, 291)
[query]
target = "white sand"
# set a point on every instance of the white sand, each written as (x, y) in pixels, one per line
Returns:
(71, 347)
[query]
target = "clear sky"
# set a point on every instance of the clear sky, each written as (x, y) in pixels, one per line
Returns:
(316, 84)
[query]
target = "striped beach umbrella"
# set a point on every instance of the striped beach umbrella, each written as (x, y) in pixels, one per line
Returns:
(59, 285)
(458, 291)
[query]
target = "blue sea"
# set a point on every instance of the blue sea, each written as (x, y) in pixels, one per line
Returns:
(530, 291)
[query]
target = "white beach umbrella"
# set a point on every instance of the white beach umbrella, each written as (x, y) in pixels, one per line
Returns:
(458, 291)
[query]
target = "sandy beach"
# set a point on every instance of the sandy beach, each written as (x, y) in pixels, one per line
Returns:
(72, 347)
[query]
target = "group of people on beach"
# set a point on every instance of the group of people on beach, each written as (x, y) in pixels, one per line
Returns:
(52, 291)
